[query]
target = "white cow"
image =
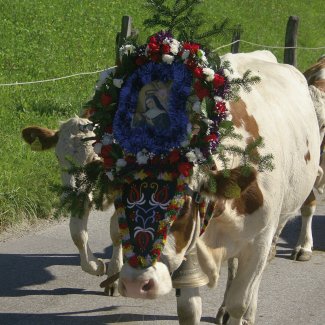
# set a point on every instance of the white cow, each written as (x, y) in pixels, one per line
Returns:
(280, 110)
(69, 146)
(315, 76)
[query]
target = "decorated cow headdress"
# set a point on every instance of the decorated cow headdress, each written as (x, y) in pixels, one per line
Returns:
(161, 112)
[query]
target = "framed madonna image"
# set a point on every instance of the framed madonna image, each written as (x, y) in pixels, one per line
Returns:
(152, 108)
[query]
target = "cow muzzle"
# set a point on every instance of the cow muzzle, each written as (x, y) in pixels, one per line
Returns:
(147, 283)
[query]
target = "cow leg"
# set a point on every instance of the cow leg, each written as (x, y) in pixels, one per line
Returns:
(303, 249)
(189, 306)
(241, 294)
(222, 315)
(79, 234)
(116, 262)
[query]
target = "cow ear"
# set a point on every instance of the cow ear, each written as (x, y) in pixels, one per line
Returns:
(40, 138)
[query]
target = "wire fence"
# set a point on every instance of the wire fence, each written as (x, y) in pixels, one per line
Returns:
(99, 71)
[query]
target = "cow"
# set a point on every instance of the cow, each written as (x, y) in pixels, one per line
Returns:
(70, 147)
(315, 77)
(279, 109)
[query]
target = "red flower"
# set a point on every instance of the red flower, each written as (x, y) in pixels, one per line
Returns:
(105, 99)
(154, 47)
(198, 72)
(218, 81)
(152, 39)
(105, 151)
(200, 90)
(174, 156)
(211, 137)
(192, 47)
(165, 48)
(156, 252)
(220, 107)
(133, 261)
(191, 64)
(185, 168)
(108, 163)
(140, 60)
(123, 226)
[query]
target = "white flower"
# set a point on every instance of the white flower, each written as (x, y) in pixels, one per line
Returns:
(197, 107)
(121, 163)
(98, 148)
(226, 73)
(207, 121)
(110, 176)
(118, 82)
(142, 157)
(209, 74)
(204, 59)
(185, 54)
(168, 58)
(129, 48)
(217, 99)
(191, 156)
(198, 153)
(107, 139)
(174, 46)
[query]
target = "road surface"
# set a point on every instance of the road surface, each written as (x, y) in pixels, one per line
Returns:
(41, 282)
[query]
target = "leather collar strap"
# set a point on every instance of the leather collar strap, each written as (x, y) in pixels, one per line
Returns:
(196, 196)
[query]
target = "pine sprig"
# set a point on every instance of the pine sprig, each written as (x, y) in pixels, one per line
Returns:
(182, 18)
(246, 82)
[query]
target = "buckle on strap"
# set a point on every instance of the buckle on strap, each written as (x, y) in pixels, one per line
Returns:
(196, 196)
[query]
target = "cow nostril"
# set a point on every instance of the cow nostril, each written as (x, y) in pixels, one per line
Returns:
(148, 285)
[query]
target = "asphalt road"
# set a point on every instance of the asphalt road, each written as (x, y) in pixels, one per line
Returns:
(41, 282)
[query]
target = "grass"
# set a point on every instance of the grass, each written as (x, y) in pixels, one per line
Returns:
(41, 39)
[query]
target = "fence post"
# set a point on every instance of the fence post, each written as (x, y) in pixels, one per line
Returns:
(236, 38)
(126, 30)
(290, 55)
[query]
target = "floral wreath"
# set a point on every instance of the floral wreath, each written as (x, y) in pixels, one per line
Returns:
(196, 108)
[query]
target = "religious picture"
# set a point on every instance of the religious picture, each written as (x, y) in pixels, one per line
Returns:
(152, 107)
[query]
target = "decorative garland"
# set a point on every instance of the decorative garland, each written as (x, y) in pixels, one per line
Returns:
(148, 258)
(189, 140)
(136, 152)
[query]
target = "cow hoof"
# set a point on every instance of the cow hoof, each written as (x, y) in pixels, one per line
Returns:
(301, 255)
(222, 316)
(111, 290)
(110, 285)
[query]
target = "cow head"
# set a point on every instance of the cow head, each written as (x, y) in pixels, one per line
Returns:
(158, 223)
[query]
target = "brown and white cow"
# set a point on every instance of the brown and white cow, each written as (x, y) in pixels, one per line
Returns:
(70, 146)
(280, 110)
(315, 76)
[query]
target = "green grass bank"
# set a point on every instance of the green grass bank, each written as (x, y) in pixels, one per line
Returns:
(42, 39)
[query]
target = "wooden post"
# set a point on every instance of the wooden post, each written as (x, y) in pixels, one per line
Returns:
(290, 55)
(126, 30)
(236, 38)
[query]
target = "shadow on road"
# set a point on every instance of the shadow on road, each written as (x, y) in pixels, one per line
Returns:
(291, 231)
(21, 270)
(77, 318)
